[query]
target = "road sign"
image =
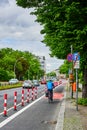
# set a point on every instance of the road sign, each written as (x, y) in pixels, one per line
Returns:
(69, 57)
(76, 64)
(76, 56)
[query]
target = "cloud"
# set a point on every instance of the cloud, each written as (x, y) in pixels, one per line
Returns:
(18, 30)
(4, 2)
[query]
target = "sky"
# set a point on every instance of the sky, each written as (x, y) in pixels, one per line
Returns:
(19, 31)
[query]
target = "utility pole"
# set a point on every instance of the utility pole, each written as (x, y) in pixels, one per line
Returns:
(77, 89)
(76, 59)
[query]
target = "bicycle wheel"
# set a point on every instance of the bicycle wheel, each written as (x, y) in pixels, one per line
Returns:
(49, 97)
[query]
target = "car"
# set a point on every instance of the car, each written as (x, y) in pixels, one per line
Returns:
(13, 81)
(43, 82)
(27, 84)
(36, 83)
(60, 82)
(55, 83)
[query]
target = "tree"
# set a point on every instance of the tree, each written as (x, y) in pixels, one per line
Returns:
(64, 23)
(51, 74)
(64, 69)
(3, 75)
(18, 62)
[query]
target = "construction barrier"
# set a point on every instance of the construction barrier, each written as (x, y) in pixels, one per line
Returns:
(28, 98)
(60, 82)
(45, 88)
(32, 94)
(5, 105)
(35, 92)
(15, 100)
(22, 100)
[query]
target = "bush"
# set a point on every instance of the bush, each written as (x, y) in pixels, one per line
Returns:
(79, 89)
(82, 101)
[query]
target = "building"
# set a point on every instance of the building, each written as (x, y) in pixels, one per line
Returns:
(43, 63)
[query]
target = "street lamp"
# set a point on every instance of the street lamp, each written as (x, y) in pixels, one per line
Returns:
(15, 65)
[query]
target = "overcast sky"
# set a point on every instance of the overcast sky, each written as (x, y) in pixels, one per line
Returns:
(19, 31)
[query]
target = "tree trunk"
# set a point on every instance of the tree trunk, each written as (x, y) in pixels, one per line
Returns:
(84, 88)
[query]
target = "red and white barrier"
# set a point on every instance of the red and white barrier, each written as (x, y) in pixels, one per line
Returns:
(28, 98)
(22, 100)
(5, 105)
(35, 92)
(32, 94)
(45, 89)
(15, 100)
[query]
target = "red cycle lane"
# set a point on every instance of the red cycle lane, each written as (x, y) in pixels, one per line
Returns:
(57, 95)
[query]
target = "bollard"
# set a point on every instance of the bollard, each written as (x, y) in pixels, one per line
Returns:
(32, 96)
(28, 100)
(22, 101)
(45, 89)
(15, 100)
(35, 92)
(5, 105)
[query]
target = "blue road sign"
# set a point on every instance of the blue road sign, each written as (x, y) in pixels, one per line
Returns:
(76, 56)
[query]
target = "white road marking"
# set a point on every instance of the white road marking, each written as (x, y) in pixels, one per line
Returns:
(17, 105)
(19, 112)
(10, 109)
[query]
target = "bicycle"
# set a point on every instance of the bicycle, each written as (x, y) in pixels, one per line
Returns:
(50, 96)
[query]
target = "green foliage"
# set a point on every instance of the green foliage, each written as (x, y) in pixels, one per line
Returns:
(4, 87)
(65, 67)
(82, 101)
(64, 24)
(29, 3)
(51, 74)
(19, 62)
(3, 75)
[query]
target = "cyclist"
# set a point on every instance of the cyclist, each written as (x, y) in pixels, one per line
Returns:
(50, 87)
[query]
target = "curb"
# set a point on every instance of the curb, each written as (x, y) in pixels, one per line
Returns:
(60, 120)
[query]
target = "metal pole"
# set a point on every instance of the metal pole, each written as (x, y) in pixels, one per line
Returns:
(77, 89)
(72, 72)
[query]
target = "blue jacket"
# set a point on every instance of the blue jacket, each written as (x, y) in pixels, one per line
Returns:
(50, 85)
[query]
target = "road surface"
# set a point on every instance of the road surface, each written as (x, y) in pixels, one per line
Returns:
(36, 115)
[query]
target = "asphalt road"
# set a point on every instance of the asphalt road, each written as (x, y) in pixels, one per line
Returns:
(37, 115)
(10, 96)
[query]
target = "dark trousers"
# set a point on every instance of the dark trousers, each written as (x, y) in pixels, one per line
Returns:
(51, 92)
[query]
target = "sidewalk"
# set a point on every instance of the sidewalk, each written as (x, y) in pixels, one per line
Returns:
(73, 119)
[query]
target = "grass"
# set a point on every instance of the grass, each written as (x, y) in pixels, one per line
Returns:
(82, 101)
(4, 87)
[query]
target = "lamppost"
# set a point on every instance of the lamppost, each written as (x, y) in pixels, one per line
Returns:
(15, 66)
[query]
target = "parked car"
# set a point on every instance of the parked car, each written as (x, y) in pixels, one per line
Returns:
(36, 83)
(43, 81)
(13, 81)
(27, 84)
